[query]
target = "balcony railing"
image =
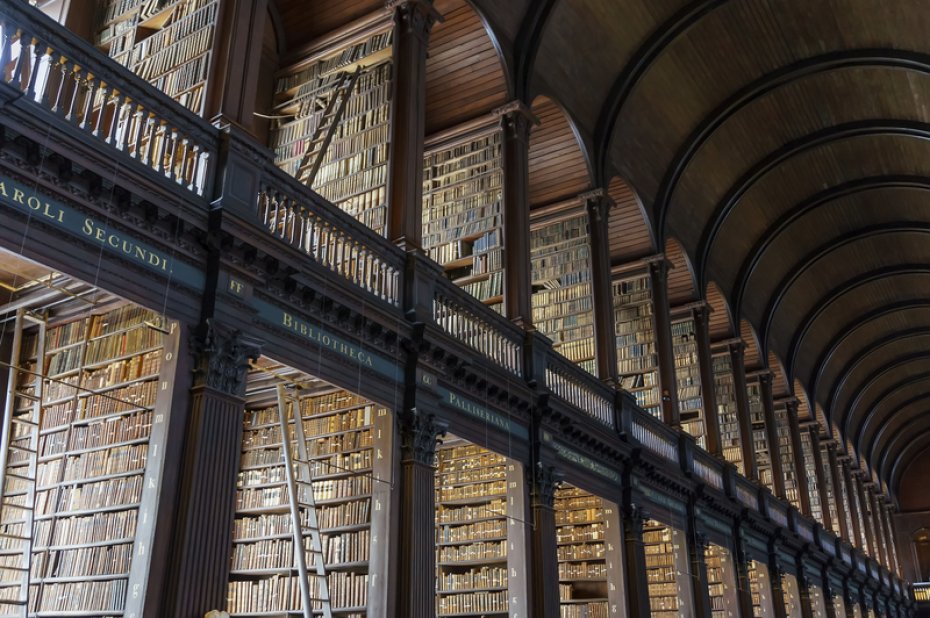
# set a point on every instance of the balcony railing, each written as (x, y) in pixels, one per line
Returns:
(656, 436)
(72, 80)
(708, 470)
(922, 592)
(579, 388)
(301, 218)
(465, 318)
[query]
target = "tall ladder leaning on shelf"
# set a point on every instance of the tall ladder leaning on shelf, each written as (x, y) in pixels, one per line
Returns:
(299, 486)
(323, 134)
(19, 451)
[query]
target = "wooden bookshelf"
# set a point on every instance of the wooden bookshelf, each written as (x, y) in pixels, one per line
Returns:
(818, 603)
(169, 43)
(334, 119)
(563, 304)
(637, 360)
(462, 219)
(342, 432)
(102, 414)
(810, 471)
(760, 589)
(688, 379)
(831, 491)
(731, 442)
(792, 595)
(760, 444)
(588, 531)
(721, 581)
(472, 530)
(667, 571)
(786, 453)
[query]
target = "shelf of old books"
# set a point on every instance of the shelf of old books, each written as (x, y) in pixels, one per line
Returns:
(87, 406)
(721, 581)
(857, 610)
(817, 601)
(334, 115)
(637, 360)
(760, 589)
(563, 305)
(590, 566)
(462, 220)
(169, 43)
(477, 523)
(727, 411)
(792, 595)
(786, 453)
(839, 603)
(667, 573)
(688, 378)
(810, 471)
(341, 484)
(760, 443)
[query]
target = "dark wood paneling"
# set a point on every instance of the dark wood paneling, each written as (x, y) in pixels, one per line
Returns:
(630, 233)
(304, 21)
(780, 386)
(558, 168)
(464, 73)
(721, 318)
(681, 285)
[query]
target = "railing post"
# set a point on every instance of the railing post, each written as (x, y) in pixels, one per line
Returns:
(238, 177)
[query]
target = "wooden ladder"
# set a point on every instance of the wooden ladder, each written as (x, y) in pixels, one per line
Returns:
(305, 524)
(18, 470)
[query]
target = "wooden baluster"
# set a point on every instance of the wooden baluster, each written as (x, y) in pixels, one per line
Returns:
(21, 61)
(39, 53)
(60, 65)
(119, 104)
(102, 96)
(79, 82)
(90, 95)
(6, 48)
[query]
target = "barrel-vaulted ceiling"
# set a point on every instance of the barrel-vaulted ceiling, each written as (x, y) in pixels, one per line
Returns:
(784, 145)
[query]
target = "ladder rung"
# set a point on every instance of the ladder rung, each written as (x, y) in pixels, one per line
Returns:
(23, 421)
(15, 537)
(22, 449)
(19, 477)
(17, 569)
(13, 505)
(13, 601)
(28, 396)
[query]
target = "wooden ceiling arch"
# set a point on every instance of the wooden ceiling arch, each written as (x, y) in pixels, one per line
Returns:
(558, 166)
(849, 195)
(896, 457)
(761, 87)
(888, 361)
(896, 418)
(805, 412)
(912, 492)
(720, 323)
(787, 152)
(847, 337)
(753, 357)
(466, 72)
(781, 385)
(682, 285)
(630, 232)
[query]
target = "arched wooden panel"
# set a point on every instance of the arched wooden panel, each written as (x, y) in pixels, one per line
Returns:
(464, 71)
(804, 402)
(753, 358)
(631, 234)
(305, 21)
(721, 318)
(780, 386)
(682, 286)
(558, 167)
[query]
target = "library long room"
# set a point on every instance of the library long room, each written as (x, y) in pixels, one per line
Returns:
(464, 308)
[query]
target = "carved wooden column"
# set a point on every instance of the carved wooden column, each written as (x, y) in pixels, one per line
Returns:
(838, 478)
(544, 581)
(516, 122)
(866, 510)
(800, 471)
(416, 596)
(821, 489)
(213, 442)
(771, 434)
(708, 392)
(743, 586)
(828, 594)
(697, 544)
(852, 497)
(877, 527)
(777, 586)
(804, 592)
(635, 568)
(413, 20)
(851, 599)
(233, 85)
(738, 362)
(658, 272)
(598, 206)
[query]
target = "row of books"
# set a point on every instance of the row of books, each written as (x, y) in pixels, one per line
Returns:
(281, 593)
(481, 530)
(335, 61)
(477, 603)
(103, 596)
(482, 578)
(269, 497)
(88, 561)
(98, 527)
(457, 471)
(269, 436)
(123, 490)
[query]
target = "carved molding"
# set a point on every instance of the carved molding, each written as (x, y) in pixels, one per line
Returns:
(546, 480)
(516, 120)
(414, 17)
(419, 433)
(223, 358)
